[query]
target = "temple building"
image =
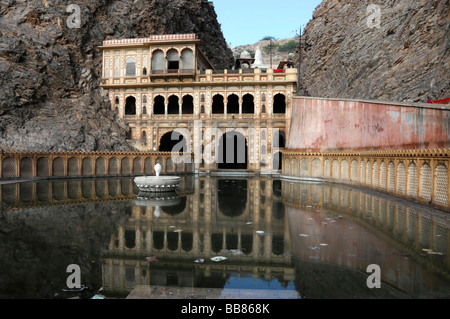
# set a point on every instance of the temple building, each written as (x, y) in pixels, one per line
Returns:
(164, 83)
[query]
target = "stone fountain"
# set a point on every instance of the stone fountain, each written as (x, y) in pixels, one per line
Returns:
(157, 184)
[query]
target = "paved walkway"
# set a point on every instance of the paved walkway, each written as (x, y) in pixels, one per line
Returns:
(161, 292)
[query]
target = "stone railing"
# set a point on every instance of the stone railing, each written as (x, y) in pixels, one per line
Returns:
(417, 175)
(29, 164)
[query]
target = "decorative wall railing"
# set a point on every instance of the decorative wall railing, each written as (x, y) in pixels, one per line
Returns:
(418, 175)
(29, 164)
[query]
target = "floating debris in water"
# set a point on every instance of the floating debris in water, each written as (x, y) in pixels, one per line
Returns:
(313, 248)
(218, 258)
(303, 235)
(199, 261)
(98, 296)
(324, 244)
(177, 230)
(262, 233)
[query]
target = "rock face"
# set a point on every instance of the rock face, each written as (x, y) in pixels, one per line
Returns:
(50, 97)
(406, 58)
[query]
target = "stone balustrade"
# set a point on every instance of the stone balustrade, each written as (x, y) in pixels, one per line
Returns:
(417, 175)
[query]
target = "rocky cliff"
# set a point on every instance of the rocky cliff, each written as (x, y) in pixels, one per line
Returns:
(50, 71)
(396, 50)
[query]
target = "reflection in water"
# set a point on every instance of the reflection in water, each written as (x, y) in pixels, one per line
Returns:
(316, 239)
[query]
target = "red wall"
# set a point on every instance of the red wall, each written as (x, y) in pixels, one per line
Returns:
(341, 125)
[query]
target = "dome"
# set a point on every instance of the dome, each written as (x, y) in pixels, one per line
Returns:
(245, 55)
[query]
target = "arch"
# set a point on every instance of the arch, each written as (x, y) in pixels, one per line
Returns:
(354, 173)
(100, 166)
(425, 182)
(441, 184)
(278, 209)
(383, 175)
(188, 105)
(187, 60)
(335, 169)
(412, 179)
(125, 165)
(86, 166)
(174, 105)
(344, 170)
(137, 165)
(375, 174)
(316, 166)
(130, 105)
(218, 107)
(279, 104)
(368, 173)
(173, 60)
(159, 105)
(26, 167)
(113, 166)
(327, 168)
(72, 166)
(232, 151)
(158, 62)
(248, 105)
(42, 168)
(401, 178)
(58, 166)
(130, 68)
(173, 141)
(169, 165)
(233, 104)
(295, 171)
(391, 177)
(304, 167)
(287, 170)
(148, 166)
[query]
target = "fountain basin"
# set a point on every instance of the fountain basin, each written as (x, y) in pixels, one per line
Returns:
(157, 184)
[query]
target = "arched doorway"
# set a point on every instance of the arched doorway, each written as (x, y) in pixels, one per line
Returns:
(130, 106)
(188, 105)
(248, 106)
(218, 106)
(232, 151)
(233, 104)
(172, 142)
(174, 106)
(158, 105)
(279, 104)
(232, 197)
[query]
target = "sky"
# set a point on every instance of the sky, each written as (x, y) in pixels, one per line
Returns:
(248, 21)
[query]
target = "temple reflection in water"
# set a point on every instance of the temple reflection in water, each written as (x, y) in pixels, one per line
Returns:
(317, 239)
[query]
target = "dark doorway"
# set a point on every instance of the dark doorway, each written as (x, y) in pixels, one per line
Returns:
(188, 105)
(218, 106)
(130, 106)
(279, 104)
(174, 106)
(158, 106)
(233, 104)
(248, 106)
(169, 141)
(232, 151)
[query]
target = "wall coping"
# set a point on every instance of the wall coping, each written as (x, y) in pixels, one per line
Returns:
(444, 107)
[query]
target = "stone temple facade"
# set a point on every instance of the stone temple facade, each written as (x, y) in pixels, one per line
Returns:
(174, 100)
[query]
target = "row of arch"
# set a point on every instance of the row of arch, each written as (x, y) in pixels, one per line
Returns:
(171, 61)
(89, 166)
(232, 105)
(408, 178)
